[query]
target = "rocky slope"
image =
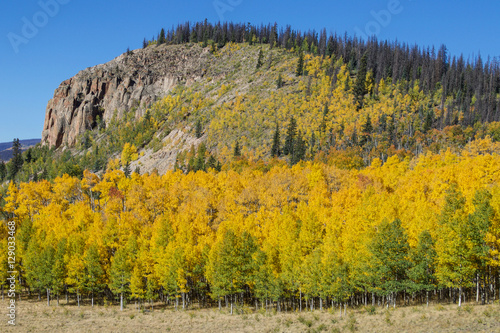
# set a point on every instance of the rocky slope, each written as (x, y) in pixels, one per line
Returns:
(132, 80)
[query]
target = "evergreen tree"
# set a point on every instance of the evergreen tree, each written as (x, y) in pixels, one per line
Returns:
(205, 38)
(360, 85)
(28, 156)
(312, 144)
(275, 149)
(3, 171)
(237, 149)
(212, 163)
(300, 64)
(290, 137)
(199, 163)
(16, 163)
(279, 82)
(198, 129)
(367, 130)
(299, 150)
(161, 37)
(260, 59)
(193, 37)
(428, 122)
(144, 43)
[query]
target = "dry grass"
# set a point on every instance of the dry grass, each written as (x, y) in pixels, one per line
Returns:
(33, 316)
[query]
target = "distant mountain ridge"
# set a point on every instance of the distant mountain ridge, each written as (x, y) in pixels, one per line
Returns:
(6, 148)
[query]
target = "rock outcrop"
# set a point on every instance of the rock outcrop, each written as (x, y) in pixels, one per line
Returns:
(133, 80)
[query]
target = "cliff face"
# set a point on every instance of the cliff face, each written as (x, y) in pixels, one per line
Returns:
(132, 80)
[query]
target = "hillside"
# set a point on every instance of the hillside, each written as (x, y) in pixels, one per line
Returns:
(155, 97)
(6, 152)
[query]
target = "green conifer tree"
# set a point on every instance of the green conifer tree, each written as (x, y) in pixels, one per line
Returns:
(275, 149)
(237, 149)
(198, 129)
(290, 137)
(279, 82)
(360, 85)
(260, 59)
(300, 64)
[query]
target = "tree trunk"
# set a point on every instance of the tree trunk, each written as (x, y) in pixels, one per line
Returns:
(460, 296)
(477, 288)
(427, 296)
(231, 304)
(219, 304)
(48, 297)
(121, 301)
(92, 298)
(300, 300)
(483, 291)
(320, 304)
(78, 299)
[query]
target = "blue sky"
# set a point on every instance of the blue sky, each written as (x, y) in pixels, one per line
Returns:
(79, 34)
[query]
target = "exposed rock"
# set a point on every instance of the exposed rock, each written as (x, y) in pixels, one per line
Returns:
(164, 159)
(133, 80)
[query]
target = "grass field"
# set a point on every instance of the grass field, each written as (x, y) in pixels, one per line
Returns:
(34, 316)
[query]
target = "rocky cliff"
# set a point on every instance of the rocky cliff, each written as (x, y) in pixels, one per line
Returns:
(132, 80)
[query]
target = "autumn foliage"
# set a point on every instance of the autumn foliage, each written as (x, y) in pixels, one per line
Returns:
(297, 236)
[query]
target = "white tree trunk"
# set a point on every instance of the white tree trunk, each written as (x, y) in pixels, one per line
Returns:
(477, 288)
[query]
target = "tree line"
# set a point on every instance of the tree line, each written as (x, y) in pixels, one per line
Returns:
(471, 85)
(293, 238)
